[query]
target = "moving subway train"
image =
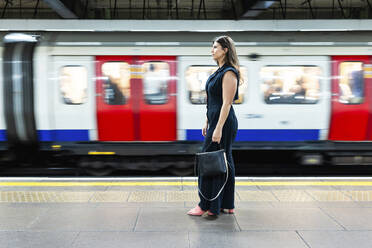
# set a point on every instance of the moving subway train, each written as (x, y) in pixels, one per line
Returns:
(105, 102)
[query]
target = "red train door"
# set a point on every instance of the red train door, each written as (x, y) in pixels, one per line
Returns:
(157, 107)
(136, 98)
(351, 98)
(115, 99)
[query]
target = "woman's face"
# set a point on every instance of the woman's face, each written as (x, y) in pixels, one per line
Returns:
(217, 51)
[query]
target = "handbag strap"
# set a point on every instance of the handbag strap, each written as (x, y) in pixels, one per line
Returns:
(218, 145)
(223, 186)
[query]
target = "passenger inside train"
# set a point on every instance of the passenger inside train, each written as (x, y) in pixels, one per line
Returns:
(155, 82)
(351, 82)
(73, 84)
(295, 84)
(116, 83)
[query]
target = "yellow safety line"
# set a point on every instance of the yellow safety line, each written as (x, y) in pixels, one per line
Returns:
(89, 184)
(101, 153)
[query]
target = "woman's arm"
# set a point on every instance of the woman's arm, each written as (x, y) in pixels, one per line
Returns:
(205, 127)
(229, 86)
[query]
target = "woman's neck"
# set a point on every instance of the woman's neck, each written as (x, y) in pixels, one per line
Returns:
(220, 63)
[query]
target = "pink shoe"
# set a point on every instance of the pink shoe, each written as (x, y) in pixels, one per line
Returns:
(210, 213)
(196, 211)
(229, 211)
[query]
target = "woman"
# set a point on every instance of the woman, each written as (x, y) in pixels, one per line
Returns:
(221, 126)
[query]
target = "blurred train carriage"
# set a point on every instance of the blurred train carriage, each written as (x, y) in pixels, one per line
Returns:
(109, 104)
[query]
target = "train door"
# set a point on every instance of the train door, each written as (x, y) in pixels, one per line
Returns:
(193, 73)
(351, 98)
(157, 94)
(73, 98)
(136, 98)
(286, 99)
(116, 120)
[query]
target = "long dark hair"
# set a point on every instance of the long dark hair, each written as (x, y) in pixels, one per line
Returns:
(231, 57)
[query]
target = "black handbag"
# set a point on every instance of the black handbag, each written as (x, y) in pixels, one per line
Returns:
(211, 164)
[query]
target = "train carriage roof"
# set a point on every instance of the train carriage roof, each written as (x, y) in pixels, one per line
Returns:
(194, 33)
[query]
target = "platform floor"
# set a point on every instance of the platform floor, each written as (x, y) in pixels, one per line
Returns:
(151, 212)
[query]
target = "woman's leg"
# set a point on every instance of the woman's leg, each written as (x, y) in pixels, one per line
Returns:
(229, 192)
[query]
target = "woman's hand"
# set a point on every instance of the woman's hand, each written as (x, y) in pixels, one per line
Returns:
(204, 130)
(217, 134)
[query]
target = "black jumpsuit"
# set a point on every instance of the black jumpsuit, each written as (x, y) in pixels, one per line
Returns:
(210, 186)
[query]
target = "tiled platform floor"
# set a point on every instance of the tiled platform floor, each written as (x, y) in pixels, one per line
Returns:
(152, 213)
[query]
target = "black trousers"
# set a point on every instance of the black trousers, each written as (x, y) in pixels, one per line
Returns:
(210, 186)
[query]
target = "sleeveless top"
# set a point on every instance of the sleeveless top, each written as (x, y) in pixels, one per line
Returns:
(213, 87)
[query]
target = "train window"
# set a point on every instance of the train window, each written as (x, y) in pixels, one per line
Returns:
(351, 83)
(116, 85)
(196, 78)
(73, 82)
(155, 82)
(290, 84)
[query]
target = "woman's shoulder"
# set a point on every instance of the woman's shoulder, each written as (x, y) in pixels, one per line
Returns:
(232, 69)
(229, 67)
